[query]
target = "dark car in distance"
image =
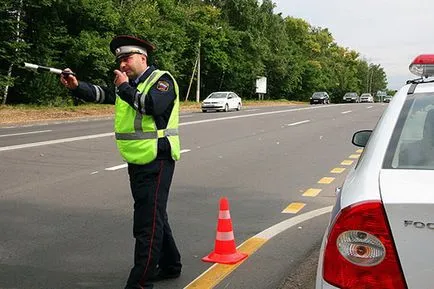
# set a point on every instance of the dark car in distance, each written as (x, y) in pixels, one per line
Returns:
(320, 97)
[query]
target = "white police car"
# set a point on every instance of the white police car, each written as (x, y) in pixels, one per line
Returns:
(381, 229)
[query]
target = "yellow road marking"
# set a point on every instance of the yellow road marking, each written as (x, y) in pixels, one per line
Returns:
(347, 162)
(216, 273)
(359, 151)
(326, 180)
(312, 192)
(293, 208)
(337, 170)
(354, 156)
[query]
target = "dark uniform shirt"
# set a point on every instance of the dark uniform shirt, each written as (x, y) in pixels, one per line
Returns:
(158, 101)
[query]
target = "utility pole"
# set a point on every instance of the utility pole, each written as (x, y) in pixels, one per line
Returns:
(5, 93)
(370, 81)
(191, 79)
(367, 80)
(198, 75)
(198, 66)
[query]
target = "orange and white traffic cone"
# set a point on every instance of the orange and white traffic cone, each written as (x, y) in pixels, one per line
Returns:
(225, 251)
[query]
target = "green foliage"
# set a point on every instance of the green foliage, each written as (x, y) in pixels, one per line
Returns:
(238, 41)
(47, 91)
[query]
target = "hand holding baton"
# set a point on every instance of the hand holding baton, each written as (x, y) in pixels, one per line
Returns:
(68, 78)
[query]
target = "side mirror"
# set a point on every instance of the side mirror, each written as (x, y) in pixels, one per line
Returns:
(361, 138)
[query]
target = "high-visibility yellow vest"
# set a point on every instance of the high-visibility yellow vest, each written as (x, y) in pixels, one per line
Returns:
(137, 135)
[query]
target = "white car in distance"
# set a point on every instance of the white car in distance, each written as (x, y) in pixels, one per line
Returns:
(366, 97)
(222, 101)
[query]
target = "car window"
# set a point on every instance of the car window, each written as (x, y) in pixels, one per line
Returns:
(318, 94)
(217, 95)
(412, 143)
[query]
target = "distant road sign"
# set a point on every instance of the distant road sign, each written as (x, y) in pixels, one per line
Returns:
(261, 85)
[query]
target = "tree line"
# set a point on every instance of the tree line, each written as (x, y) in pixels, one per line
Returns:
(236, 41)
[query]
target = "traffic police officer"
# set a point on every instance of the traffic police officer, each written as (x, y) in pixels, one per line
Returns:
(146, 130)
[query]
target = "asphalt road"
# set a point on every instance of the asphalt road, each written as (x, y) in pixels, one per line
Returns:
(66, 207)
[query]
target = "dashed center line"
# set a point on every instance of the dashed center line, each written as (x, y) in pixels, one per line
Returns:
(293, 208)
(326, 180)
(345, 112)
(347, 162)
(337, 170)
(354, 156)
(311, 192)
(117, 167)
(299, 122)
(122, 166)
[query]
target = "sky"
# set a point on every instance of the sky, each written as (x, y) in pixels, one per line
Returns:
(386, 32)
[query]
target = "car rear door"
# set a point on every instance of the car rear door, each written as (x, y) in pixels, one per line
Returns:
(237, 100)
(406, 184)
(232, 101)
(408, 198)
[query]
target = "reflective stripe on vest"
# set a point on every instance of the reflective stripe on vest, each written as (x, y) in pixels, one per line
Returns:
(137, 135)
(147, 135)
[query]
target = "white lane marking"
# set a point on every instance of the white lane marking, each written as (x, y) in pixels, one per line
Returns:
(185, 116)
(369, 107)
(49, 142)
(348, 111)
(284, 225)
(125, 165)
(71, 139)
(297, 123)
(250, 110)
(24, 133)
(116, 167)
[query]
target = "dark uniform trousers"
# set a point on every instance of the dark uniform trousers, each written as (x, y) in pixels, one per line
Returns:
(155, 246)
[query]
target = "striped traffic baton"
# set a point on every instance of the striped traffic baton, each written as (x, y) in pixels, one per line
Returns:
(40, 68)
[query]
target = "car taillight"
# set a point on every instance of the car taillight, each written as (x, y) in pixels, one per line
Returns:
(360, 252)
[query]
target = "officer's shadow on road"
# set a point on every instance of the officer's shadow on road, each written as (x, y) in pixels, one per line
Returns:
(46, 247)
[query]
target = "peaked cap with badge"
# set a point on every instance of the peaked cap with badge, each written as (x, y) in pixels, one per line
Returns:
(124, 45)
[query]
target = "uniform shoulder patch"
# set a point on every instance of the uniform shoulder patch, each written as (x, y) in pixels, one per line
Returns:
(163, 85)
